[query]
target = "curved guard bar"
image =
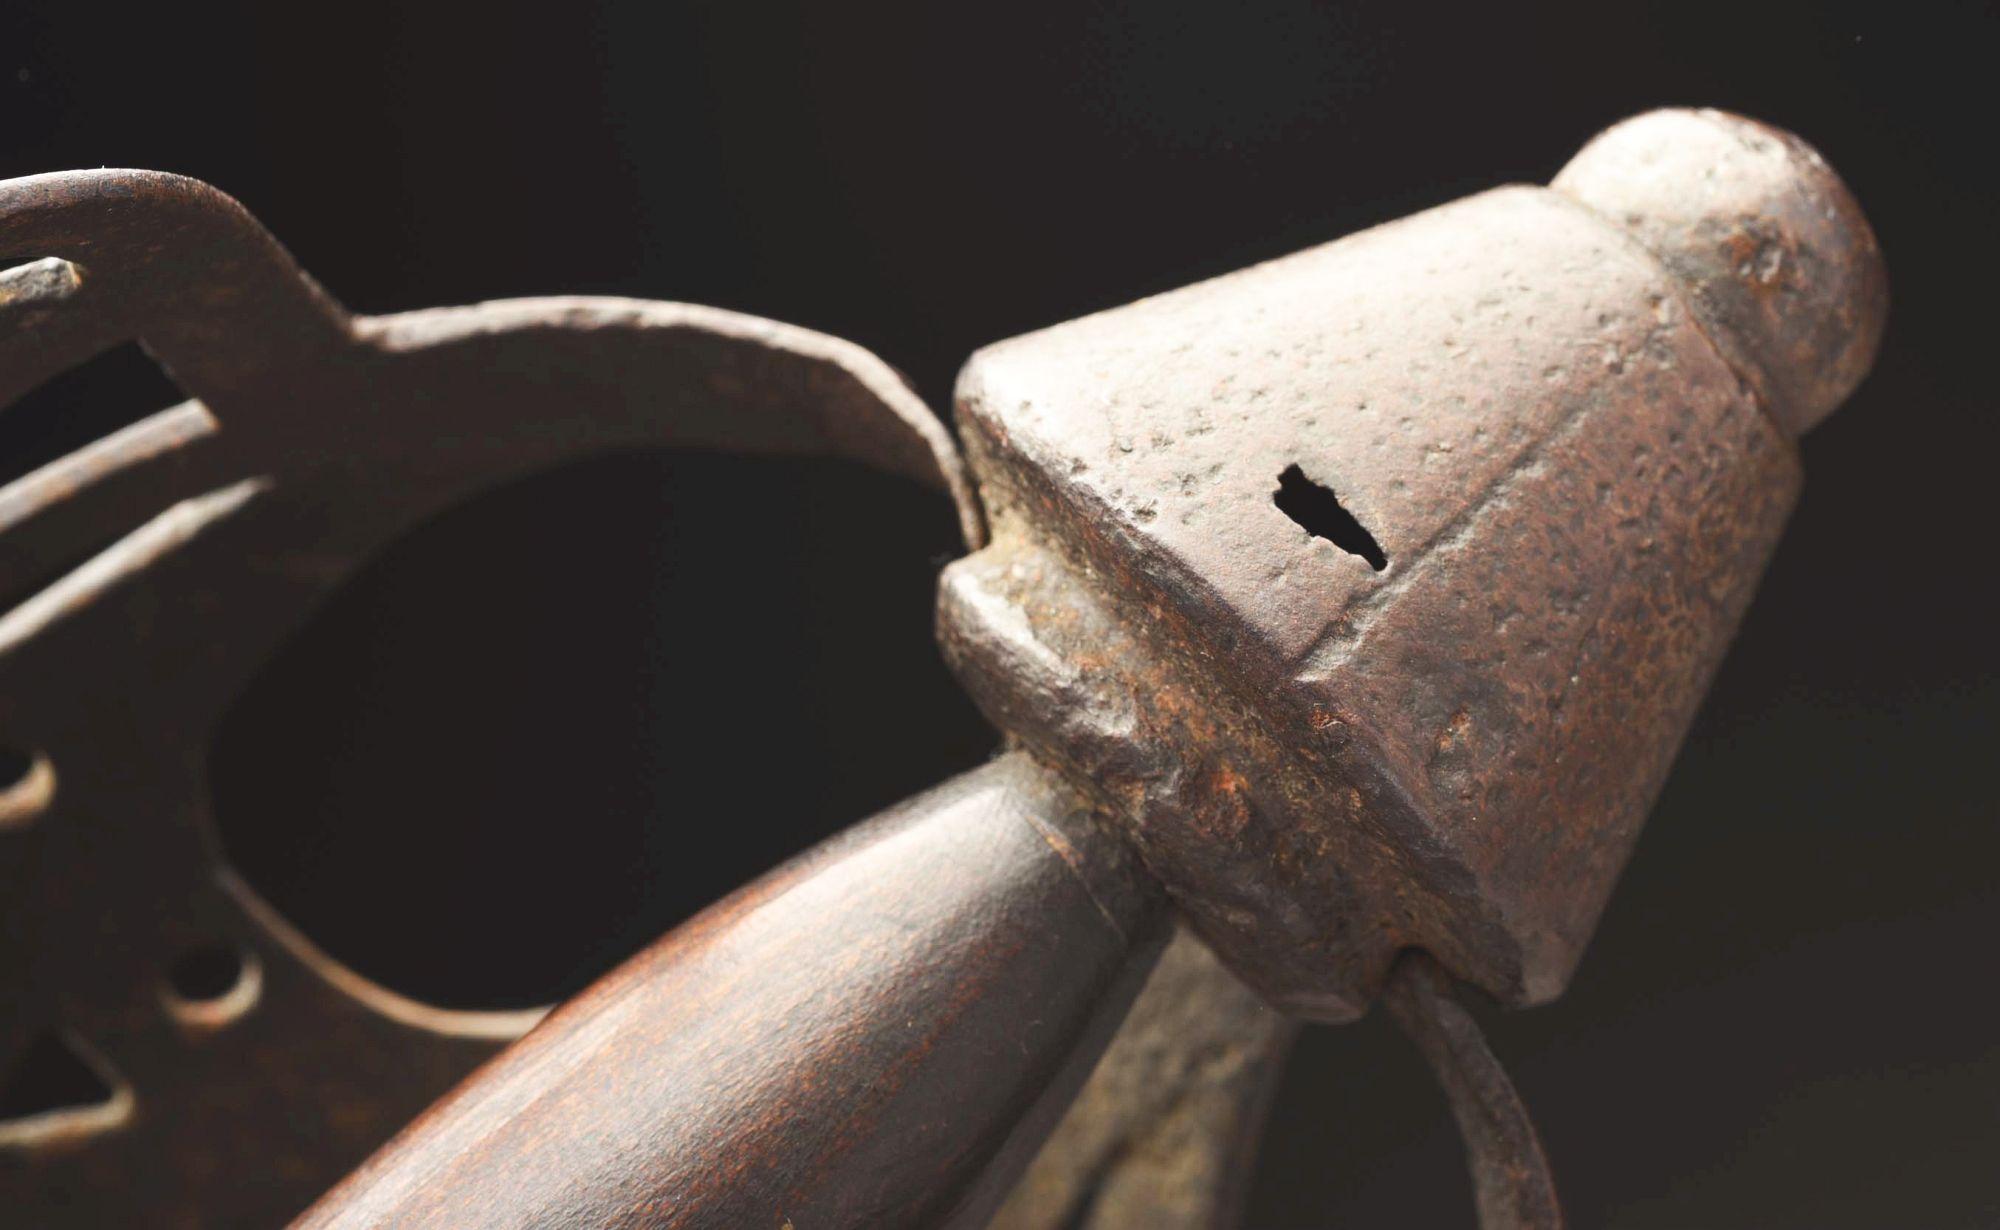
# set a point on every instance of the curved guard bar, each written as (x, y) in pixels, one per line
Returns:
(314, 439)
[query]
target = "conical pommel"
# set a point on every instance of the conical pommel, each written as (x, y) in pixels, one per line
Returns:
(1782, 266)
(1376, 585)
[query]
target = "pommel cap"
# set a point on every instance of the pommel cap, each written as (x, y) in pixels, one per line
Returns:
(1784, 271)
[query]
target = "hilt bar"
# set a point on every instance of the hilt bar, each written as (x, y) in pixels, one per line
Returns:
(1367, 593)
(1353, 605)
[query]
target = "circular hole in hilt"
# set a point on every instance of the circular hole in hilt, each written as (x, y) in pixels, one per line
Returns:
(212, 984)
(27, 784)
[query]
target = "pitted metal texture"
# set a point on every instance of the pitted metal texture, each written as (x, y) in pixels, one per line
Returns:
(1523, 405)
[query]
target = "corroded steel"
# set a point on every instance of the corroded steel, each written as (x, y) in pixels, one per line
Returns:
(1566, 419)
(1511, 1184)
(1166, 1132)
(315, 437)
(1367, 593)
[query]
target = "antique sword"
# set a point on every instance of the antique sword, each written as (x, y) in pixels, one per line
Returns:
(1342, 616)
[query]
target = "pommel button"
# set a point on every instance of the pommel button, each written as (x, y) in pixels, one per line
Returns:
(1783, 268)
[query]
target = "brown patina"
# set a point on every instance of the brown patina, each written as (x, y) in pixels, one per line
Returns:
(315, 438)
(1566, 416)
(1367, 592)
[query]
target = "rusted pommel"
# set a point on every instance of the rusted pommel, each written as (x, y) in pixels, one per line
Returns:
(1365, 595)
(1779, 264)
(1375, 586)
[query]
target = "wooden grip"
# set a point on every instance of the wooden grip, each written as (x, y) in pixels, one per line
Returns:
(877, 1034)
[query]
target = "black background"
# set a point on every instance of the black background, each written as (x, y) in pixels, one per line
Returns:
(554, 723)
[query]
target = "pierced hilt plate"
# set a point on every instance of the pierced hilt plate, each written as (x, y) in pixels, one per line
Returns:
(227, 1045)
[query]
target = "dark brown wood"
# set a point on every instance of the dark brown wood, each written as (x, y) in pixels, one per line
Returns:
(877, 1034)
(1560, 424)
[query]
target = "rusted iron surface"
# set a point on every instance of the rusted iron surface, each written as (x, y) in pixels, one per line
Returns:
(1369, 590)
(1165, 1134)
(314, 438)
(1367, 593)
(1512, 1186)
(1779, 265)
(1537, 494)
